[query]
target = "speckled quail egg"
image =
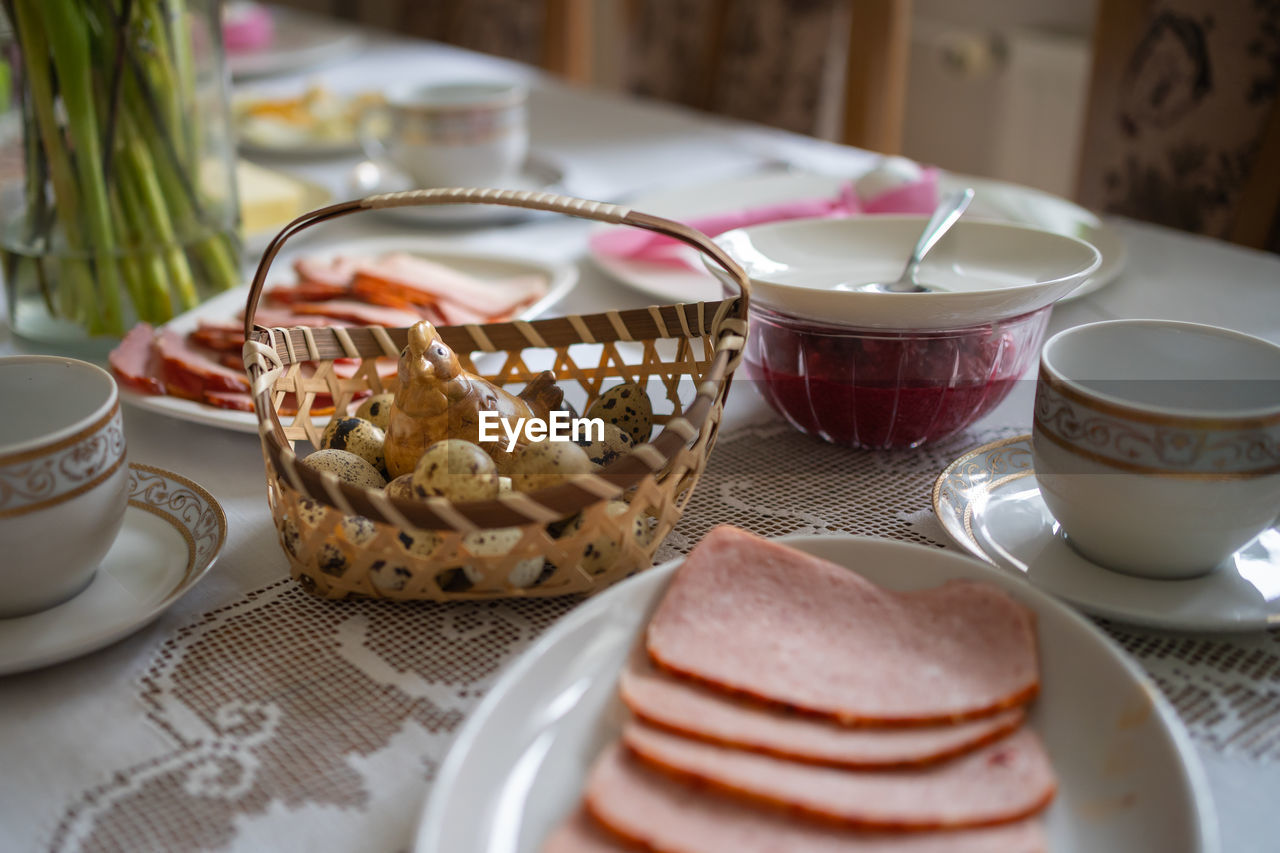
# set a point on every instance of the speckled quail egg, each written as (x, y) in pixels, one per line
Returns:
(457, 470)
(377, 410)
(547, 463)
(494, 543)
(289, 535)
(603, 551)
(626, 406)
(401, 487)
(389, 576)
(355, 529)
(504, 485)
(347, 467)
(357, 436)
(310, 512)
(613, 444)
(420, 543)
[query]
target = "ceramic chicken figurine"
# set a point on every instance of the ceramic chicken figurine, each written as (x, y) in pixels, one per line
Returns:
(437, 399)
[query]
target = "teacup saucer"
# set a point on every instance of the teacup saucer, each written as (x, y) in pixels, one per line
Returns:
(172, 533)
(989, 503)
(372, 177)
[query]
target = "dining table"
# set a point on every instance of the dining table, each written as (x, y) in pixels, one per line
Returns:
(251, 715)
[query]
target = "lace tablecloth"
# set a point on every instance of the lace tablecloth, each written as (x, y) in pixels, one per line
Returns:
(280, 703)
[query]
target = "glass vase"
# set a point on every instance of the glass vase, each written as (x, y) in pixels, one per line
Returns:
(117, 187)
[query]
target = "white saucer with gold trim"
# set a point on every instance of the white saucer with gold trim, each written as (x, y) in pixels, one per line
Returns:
(989, 503)
(173, 531)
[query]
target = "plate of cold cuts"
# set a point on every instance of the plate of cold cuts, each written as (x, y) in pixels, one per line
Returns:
(821, 693)
(191, 367)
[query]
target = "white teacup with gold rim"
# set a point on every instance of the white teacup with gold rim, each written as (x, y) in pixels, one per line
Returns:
(63, 478)
(1156, 444)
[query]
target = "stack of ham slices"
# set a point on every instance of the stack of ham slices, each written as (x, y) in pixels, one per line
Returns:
(394, 291)
(783, 703)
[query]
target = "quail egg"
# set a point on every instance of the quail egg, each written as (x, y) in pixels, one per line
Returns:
(603, 551)
(401, 487)
(387, 576)
(548, 463)
(357, 436)
(420, 543)
(289, 535)
(495, 543)
(377, 410)
(311, 512)
(613, 444)
(357, 529)
(504, 485)
(626, 406)
(347, 466)
(457, 470)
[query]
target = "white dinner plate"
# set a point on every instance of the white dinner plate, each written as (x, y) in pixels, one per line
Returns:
(989, 503)
(172, 532)
(560, 279)
(1129, 776)
(372, 177)
(993, 200)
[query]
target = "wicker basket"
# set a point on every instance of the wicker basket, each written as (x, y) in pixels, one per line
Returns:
(576, 537)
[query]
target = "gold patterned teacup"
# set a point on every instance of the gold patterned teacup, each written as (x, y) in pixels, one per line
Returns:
(1156, 444)
(63, 478)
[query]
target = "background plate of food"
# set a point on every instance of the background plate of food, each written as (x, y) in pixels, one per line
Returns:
(1127, 776)
(191, 367)
(760, 197)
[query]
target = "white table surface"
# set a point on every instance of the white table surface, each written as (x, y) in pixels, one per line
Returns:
(68, 728)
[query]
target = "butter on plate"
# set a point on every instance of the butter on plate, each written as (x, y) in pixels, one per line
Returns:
(269, 199)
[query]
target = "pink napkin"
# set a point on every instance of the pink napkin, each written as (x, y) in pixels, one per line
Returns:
(635, 244)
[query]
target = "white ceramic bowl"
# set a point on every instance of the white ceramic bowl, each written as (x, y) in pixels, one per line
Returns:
(1156, 444)
(63, 478)
(990, 270)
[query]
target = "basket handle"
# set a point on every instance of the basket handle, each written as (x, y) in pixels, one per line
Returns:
(533, 200)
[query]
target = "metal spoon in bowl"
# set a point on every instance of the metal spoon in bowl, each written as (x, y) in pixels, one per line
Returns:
(940, 223)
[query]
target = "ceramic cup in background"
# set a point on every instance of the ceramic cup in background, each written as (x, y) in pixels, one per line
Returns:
(1156, 444)
(458, 134)
(63, 478)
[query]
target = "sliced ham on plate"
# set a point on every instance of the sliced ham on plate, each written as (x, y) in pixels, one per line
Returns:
(135, 363)
(692, 709)
(422, 281)
(761, 619)
(580, 833)
(660, 813)
(307, 290)
(998, 783)
(190, 371)
(334, 272)
(359, 313)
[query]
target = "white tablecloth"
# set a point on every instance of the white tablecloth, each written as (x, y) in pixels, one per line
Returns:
(222, 725)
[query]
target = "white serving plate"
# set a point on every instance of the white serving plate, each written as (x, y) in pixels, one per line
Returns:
(995, 200)
(173, 531)
(1129, 776)
(989, 503)
(561, 278)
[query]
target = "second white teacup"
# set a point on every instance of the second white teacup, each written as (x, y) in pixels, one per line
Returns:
(1156, 444)
(459, 134)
